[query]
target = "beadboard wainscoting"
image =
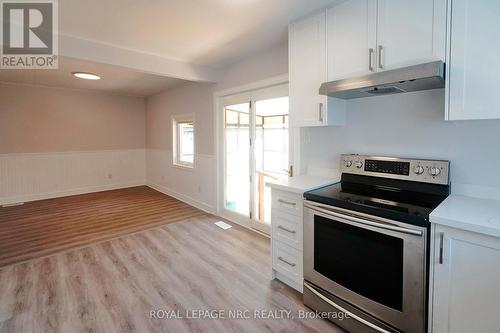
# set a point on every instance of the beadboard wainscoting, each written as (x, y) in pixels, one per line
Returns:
(35, 176)
(196, 186)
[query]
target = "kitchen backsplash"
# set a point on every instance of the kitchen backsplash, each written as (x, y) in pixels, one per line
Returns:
(410, 125)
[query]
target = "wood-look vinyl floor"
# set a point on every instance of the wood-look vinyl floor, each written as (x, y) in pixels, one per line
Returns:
(43, 227)
(112, 286)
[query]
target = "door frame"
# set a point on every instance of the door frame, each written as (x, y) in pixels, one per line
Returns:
(247, 89)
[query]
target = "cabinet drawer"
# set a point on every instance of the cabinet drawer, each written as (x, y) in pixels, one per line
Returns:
(287, 228)
(287, 260)
(287, 202)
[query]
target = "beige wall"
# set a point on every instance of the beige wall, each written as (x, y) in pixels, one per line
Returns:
(272, 62)
(188, 98)
(198, 186)
(42, 120)
(37, 119)
(198, 98)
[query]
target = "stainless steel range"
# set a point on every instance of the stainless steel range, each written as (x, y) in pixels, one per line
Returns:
(366, 242)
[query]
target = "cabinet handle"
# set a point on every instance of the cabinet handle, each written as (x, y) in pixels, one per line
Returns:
(441, 247)
(287, 202)
(320, 112)
(370, 59)
(287, 262)
(380, 65)
(286, 229)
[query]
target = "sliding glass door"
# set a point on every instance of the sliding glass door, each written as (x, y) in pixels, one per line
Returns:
(237, 158)
(256, 150)
(271, 151)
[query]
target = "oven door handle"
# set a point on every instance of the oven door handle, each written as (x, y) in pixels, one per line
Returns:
(340, 308)
(381, 225)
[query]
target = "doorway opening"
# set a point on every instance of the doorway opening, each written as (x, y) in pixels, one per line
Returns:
(256, 146)
(271, 150)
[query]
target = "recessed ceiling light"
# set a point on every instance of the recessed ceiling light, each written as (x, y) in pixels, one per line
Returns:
(86, 76)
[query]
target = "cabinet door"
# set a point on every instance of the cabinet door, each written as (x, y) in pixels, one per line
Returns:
(410, 32)
(307, 62)
(466, 284)
(473, 63)
(351, 41)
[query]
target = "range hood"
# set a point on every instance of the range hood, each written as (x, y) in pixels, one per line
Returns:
(414, 78)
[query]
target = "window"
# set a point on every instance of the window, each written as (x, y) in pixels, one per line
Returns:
(183, 140)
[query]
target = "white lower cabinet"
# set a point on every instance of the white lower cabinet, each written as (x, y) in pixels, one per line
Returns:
(286, 238)
(465, 282)
(286, 230)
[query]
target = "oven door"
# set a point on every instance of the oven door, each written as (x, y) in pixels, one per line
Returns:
(374, 264)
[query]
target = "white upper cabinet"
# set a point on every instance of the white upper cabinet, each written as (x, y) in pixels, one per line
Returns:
(307, 71)
(351, 39)
(473, 65)
(354, 38)
(307, 47)
(375, 35)
(410, 32)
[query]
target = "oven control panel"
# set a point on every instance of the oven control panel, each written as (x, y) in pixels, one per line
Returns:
(390, 167)
(427, 171)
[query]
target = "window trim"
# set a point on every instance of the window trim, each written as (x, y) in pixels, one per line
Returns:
(176, 120)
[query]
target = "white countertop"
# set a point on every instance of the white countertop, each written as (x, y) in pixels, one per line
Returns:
(469, 213)
(303, 183)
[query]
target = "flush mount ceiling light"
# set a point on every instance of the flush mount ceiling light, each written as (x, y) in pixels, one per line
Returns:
(86, 76)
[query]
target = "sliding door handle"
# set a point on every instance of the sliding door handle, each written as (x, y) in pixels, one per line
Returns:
(321, 116)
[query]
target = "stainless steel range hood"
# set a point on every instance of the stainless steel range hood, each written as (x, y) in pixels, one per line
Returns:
(420, 77)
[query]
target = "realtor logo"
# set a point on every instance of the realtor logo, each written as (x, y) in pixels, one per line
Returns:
(29, 34)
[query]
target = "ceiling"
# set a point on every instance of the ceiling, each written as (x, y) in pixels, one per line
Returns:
(209, 33)
(205, 32)
(114, 79)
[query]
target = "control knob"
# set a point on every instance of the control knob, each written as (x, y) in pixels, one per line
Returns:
(359, 164)
(434, 171)
(348, 163)
(418, 170)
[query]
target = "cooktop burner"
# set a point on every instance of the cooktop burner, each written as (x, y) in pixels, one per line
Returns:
(387, 187)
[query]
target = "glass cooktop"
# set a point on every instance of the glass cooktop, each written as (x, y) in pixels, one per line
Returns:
(404, 201)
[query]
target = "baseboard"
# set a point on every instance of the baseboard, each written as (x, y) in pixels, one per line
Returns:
(182, 197)
(65, 193)
(198, 204)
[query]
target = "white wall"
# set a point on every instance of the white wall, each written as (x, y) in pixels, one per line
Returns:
(34, 176)
(198, 186)
(411, 125)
